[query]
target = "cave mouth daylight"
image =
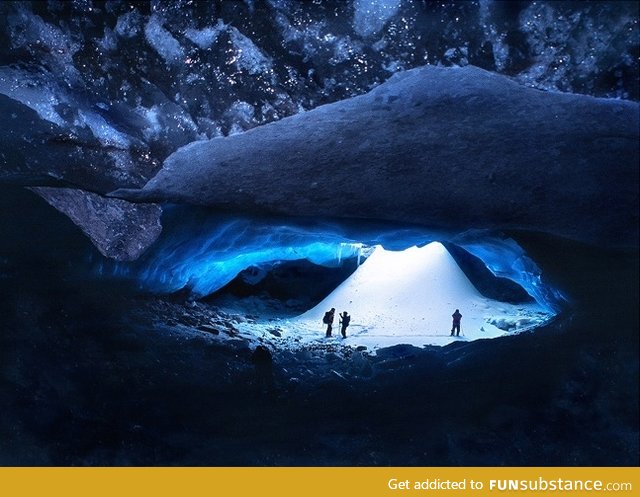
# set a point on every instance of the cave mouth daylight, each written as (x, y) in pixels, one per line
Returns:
(399, 284)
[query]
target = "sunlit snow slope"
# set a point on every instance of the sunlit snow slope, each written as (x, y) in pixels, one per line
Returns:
(408, 297)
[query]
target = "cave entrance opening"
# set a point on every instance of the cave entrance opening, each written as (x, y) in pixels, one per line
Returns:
(409, 297)
(400, 297)
(400, 284)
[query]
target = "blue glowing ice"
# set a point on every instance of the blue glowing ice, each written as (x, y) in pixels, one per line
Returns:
(506, 259)
(202, 252)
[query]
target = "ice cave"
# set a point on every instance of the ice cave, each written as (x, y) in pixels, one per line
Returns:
(184, 183)
(400, 285)
(400, 297)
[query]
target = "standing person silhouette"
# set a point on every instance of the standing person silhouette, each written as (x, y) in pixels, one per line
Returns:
(345, 319)
(456, 323)
(328, 320)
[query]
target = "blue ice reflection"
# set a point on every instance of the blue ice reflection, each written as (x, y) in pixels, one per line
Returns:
(202, 252)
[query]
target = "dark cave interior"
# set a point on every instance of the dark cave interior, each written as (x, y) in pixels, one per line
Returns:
(89, 377)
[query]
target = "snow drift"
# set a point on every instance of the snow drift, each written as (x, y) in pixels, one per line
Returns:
(408, 297)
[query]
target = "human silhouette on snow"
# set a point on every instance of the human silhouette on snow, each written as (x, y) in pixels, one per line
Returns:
(328, 320)
(456, 323)
(345, 319)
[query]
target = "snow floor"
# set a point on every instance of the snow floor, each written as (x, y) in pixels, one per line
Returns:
(402, 297)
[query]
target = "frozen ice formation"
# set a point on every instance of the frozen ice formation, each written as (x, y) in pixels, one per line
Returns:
(453, 148)
(96, 96)
(118, 229)
(399, 297)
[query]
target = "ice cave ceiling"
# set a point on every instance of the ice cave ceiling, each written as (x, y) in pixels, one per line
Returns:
(182, 180)
(450, 115)
(202, 253)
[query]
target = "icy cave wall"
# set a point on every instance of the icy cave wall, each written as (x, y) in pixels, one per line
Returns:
(454, 148)
(201, 253)
(97, 94)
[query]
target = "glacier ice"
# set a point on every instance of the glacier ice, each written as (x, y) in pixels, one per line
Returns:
(106, 75)
(128, 24)
(370, 16)
(407, 297)
(118, 229)
(201, 252)
(205, 37)
(458, 148)
(163, 42)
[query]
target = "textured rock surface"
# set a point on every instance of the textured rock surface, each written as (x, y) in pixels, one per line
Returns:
(118, 229)
(96, 95)
(35, 152)
(447, 147)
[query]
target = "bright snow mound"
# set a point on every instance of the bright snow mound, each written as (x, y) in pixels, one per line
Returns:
(407, 297)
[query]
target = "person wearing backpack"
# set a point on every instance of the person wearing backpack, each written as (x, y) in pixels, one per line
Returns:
(328, 320)
(456, 323)
(345, 319)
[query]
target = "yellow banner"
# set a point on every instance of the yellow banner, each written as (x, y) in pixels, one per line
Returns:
(325, 482)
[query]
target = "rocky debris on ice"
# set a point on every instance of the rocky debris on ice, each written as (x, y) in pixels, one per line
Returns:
(119, 229)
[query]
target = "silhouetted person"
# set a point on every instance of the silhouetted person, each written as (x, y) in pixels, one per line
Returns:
(263, 363)
(328, 320)
(344, 322)
(456, 323)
